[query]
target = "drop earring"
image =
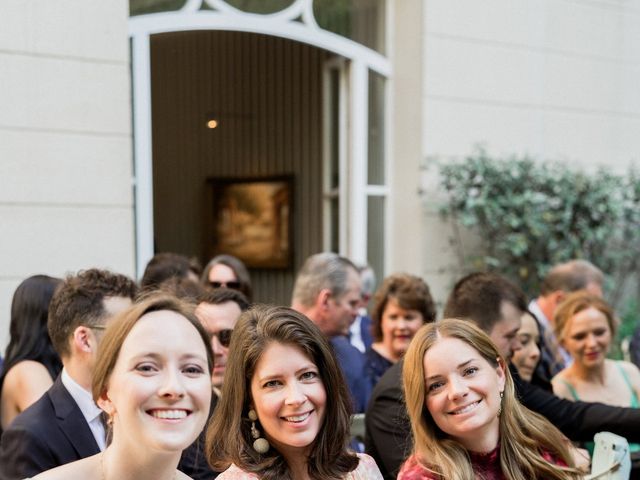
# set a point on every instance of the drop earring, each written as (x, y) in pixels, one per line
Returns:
(500, 407)
(260, 445)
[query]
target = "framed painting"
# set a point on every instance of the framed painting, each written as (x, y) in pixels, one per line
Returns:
(251, 219)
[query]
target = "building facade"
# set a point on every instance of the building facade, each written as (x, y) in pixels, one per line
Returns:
(107, 155)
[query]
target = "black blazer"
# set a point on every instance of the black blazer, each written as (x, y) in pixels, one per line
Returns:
(388, 431)
(49, 433)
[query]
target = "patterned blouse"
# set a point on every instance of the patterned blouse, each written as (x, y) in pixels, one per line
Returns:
(366, 470)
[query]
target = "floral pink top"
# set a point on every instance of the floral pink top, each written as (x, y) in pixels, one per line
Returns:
(366, 470)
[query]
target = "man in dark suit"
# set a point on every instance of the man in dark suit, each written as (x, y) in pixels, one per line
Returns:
(327, 290)
(65, 424)
(495, 305)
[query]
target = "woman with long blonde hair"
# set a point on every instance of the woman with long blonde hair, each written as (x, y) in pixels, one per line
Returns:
(465, 418)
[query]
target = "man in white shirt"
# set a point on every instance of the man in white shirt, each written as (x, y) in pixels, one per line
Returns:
(65, 425)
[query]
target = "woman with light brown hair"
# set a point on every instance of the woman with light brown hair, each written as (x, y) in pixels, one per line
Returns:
(285, 409)
(153, 380)
(466, 421)
(585, 327)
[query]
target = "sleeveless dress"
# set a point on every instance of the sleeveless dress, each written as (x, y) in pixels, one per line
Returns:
(366, 470)
(635, 403)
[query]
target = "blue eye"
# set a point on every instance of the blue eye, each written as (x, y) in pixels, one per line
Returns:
(309, 375)
(434, 386)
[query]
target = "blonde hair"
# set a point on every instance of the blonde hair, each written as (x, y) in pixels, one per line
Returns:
(524, 435)
(576, 303)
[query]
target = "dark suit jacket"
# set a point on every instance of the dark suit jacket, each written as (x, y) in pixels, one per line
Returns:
(388, 431)
(49, 433)
(351, 361)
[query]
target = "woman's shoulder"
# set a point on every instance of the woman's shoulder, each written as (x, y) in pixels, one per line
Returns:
(85, 468)
(412, 470)
(366, 469)
(236, 473)
(562, 385)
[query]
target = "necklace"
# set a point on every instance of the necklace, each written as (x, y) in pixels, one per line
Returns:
(102, 470)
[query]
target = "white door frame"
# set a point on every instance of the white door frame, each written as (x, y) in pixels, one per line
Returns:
(282, 24)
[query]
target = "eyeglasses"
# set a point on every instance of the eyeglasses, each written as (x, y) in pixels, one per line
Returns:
(233, 284)
(98, 327)
(224, 336)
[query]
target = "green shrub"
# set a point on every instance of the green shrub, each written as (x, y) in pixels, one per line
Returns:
(530, 215)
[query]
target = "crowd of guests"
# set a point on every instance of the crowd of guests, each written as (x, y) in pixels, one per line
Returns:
(181, 376)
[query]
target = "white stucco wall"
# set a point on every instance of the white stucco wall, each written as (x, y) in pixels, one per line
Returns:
(556, 79)
(65, 141)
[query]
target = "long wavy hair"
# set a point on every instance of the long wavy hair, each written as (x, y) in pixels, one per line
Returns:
(28, 328)
(229, 432)
(524, 435)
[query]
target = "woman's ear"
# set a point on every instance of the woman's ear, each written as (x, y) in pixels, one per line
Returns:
(500, 371)
(105, 403)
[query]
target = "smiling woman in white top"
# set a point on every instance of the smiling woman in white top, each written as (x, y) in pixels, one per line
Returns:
(153, 380)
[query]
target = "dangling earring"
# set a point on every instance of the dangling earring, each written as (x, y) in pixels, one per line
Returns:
(260, 445)
(500, 407)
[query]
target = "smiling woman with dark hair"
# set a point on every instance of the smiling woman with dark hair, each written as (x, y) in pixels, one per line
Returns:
(284, 411)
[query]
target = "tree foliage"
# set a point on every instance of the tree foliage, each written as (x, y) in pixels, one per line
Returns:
(530, 215)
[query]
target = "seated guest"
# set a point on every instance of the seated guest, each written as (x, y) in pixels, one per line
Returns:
(465, 417)
(526, 358)
(585, 327)
(218, 311)
(284, 410)
(360, 329)
(31, 364)
(495, 305)
(227, 271)
(153, 380)
(65, 424)
(165, 266)
(327, 291)
(400, 307)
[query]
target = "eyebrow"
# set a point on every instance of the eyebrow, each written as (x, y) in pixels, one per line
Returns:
(460, 365)
(305, 368)
(158, 356)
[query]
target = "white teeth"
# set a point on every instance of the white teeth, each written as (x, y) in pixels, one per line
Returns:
(169, 414)
(466, 409)
(298, 418)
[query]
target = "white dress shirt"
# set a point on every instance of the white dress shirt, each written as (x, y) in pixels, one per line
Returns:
(90, 411)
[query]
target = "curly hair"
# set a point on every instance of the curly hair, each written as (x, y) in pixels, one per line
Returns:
(79, 301)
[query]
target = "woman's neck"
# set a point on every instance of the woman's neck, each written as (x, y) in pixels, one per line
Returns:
(123, 463)
(485, 441)
(298, 463)
(384, 351)
(595, 374)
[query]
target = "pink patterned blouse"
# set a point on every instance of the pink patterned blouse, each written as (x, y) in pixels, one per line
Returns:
(366, 470)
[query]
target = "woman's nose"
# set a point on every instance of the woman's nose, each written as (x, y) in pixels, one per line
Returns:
(172, 385)
(295, 395)
(457, 388)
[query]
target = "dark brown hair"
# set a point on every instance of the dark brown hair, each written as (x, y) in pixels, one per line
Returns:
(239, 269)
(479, 297)
(80, 301)
(229, 436)
(121, 326)
(411, 293)
(166, 265)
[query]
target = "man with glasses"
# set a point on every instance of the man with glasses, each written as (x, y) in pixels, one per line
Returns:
(65, 424)
(218, 310)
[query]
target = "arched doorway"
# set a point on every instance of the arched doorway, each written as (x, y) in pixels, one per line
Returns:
(290, 97)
